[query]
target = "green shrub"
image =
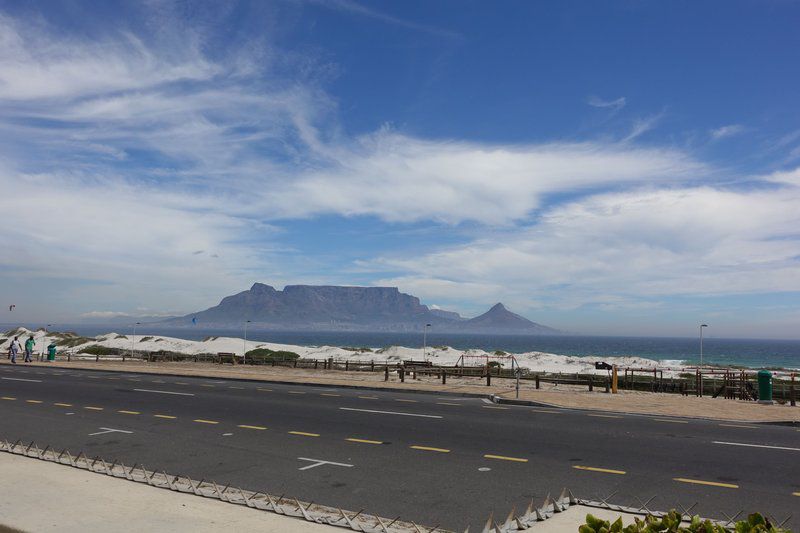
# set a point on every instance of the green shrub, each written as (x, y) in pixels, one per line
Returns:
(353, 349)
(96, 349)
(121, 337)
(672, 523)
(500, 352)
(261, 355)
(144, 339)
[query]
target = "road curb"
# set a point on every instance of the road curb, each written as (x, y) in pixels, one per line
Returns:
(532, 403)
(279, 382)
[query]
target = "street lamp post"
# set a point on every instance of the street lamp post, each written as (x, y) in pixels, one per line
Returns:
(133, 337)
(425, 342)
(701, 342)
(44, 337)
(244, 347)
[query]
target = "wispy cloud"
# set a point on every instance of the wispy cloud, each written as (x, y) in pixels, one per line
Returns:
(614, 105)
(642, 126)
(727, 131)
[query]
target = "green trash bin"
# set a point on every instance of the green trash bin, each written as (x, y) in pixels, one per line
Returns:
(51, 352)
(764, 387)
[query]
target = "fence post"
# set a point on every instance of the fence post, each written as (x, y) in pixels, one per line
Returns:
(347, 364)
(791, 392)
(537, 381)
(386, 373)
(607, 386)
(614, 378)
(444, 377)
(97, 358)
(488, 377)
(372, 366)
(591, 384)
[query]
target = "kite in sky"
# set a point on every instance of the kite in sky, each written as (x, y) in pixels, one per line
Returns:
(11, 307)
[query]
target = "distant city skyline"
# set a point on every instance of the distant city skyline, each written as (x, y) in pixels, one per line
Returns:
(600, 168)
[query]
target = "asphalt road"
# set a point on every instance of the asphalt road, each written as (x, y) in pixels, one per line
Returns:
(433, 459)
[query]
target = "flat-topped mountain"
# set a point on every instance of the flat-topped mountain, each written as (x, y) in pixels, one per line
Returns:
(327, 307)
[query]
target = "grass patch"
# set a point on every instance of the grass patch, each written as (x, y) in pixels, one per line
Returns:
(359, 350)
(263, 355)
(96, 349)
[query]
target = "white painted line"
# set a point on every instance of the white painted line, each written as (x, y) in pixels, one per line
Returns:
(320, 462)
(757, 446)
(389, 412)
(22, 379)
(110, 430)
(165, 392)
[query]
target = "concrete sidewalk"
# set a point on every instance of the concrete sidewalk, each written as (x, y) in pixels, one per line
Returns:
(42, 496)
(573, 397)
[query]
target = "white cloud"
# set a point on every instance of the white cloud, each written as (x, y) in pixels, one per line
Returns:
(627, 249)
(727, 131)
(403, 179)
(614, 105)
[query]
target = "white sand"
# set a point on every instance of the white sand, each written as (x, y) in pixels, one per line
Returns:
(534, 361)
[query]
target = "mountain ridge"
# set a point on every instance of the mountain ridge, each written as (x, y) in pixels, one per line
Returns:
(334, 307)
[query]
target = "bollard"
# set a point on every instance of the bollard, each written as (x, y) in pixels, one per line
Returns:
(488, 377)
(69, 357)
(608, 388)
(444, 377)
(347, 365)
(591, 384)
(97, 358)
(386, 373)
(372, 366)
(537, 381)
(402, 373)
(316, 364)
(614, 378)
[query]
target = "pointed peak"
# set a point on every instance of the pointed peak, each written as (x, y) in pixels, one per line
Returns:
(261, 287)
(498, 307)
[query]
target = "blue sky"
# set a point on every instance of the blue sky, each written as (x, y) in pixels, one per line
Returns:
(600, 167)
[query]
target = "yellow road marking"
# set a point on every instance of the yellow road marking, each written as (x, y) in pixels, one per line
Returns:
(328, 394)
(113, 378)
(429, 449)
(671, 420)
(201, 421)
(604, 470)
(265, 390)
(206, 385)
(738, 426)
(158, 381)
(605, 416)
(245, 426)
(296, 392)
(237, 388)
(504, 458)
(94, 408)
(304, 434)
(493, 407)
(8, 398)
(796, 494)
(170, 417)
(404, 400)
(364, 441)
(711, 483)
(34, 401)
(445, 403)
(129, 412)
(63, 404)
(180, 383)
(368, 397)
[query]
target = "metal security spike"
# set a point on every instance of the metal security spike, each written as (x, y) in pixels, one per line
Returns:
(488, 527)
(510, 518)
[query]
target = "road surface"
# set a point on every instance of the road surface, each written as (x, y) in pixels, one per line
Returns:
(434, 459)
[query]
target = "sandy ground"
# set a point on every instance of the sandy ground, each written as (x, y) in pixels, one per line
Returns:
(561, 395)
(41, 496)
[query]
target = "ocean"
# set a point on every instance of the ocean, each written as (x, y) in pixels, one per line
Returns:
(753, 353)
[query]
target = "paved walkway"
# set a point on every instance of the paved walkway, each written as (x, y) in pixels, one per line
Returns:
(42, 496)
(561, 396)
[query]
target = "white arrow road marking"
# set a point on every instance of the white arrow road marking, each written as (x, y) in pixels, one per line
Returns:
(165, 392)
(109, 430)
(22, 379)
(758, 446)
(320, 462)
(388, 412)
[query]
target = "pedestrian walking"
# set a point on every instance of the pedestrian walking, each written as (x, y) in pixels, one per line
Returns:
(16, 347)
(29, 344)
